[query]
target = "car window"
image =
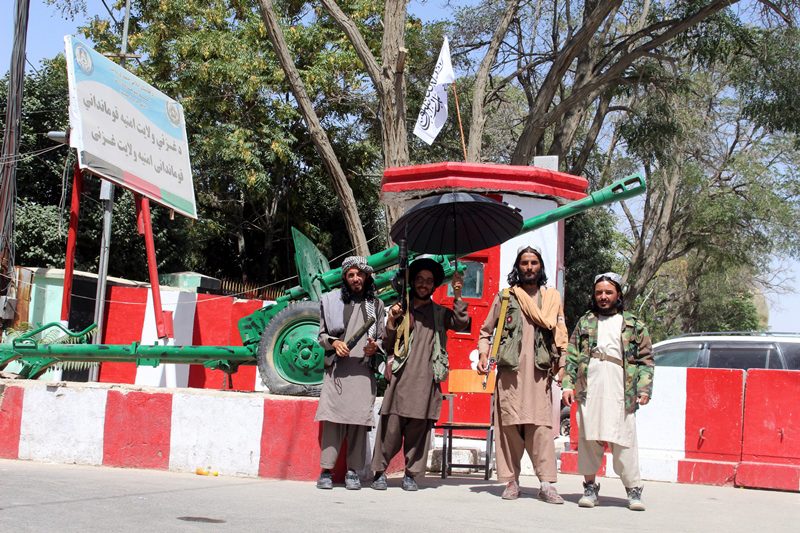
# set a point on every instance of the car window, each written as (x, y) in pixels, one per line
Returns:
(740, 355)
(682, 355)
(774, 361)
(791, 352)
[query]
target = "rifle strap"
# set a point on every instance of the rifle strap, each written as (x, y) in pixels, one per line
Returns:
(501, 320)
(403, 340)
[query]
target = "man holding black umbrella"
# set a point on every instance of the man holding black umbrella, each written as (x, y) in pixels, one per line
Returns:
(413, 399)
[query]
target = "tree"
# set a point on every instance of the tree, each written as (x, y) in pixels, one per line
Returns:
(318, 135)
(719, 185)
(44, 109)
(692, 295)
(37, 238)
(578, 61)
(590, 241)
(250, 150)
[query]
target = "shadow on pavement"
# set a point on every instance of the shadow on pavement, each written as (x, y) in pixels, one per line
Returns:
(605, 501)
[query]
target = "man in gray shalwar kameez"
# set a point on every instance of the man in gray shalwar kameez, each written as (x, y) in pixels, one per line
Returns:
(413, 398)
(348, 387)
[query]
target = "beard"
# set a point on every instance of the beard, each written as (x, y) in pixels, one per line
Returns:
(612, 310)
(415, 294)
(531, 278)
(356, 290)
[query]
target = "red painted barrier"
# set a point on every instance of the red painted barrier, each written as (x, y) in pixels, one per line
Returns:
(714, 408)
(216, 322)
(10, 421)
(125, 311)
(771, 438)
(137, 433)
(290, 440)
(211, 327)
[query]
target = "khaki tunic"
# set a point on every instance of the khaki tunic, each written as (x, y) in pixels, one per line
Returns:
(412, 393)
(522, 397)
(348, 386)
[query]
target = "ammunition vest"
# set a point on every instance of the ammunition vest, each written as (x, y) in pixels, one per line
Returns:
(511, 339)
(439, 359)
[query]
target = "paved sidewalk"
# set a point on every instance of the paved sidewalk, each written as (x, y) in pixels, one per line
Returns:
(44, 497)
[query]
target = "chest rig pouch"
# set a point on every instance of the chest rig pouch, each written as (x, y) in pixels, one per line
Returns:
(511, 339)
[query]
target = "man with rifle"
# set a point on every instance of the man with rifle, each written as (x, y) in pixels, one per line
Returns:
(529, 336)
(415, 368)
(350, 330)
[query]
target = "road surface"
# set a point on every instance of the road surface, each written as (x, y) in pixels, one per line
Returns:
(47, 497)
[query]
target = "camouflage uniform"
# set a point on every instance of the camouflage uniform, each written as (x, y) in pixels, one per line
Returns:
(638, 361)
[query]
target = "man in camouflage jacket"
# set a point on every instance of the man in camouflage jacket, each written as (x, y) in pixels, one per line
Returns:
(609, 370)
(638, 362)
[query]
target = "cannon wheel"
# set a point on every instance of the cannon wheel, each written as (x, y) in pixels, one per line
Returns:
(290, 360)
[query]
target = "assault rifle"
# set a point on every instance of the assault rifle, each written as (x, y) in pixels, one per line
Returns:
(330, 355)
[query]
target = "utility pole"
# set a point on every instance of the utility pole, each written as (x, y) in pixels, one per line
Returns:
(8, 163)
(107, 198)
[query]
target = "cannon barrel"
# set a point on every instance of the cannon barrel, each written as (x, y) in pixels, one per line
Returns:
(620, 190)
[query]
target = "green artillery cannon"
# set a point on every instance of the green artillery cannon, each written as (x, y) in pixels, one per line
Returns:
(281, 338)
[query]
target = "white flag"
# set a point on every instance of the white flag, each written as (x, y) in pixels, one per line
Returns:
(433, 114)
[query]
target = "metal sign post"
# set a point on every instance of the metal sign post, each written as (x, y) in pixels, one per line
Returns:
(107, 198)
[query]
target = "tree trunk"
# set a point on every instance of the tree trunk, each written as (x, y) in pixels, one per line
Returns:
(388, 80)
(320, 139)
(393, 85)
(543, 112)
(394, 131)
(658, 234)
(535, 127)
(579, 164)
(481, 81)
(572, 119)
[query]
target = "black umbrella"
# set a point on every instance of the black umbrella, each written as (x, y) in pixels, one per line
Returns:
(457, 223)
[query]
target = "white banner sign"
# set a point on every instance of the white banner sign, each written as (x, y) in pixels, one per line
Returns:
(433, 114)
(127, 131)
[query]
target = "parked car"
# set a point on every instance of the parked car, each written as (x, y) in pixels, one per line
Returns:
(743, 350)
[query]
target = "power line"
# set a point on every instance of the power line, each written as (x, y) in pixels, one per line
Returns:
(123, 302)
(29, 155)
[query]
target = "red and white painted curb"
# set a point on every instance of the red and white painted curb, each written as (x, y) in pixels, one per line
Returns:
(238, 434)
(233, 433)
(716, 427)
(720, 427)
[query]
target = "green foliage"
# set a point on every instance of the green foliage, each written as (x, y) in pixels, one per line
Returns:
(695, 295)
(722, 201)
(256, 172)
(39, 235)
(589, 249)
(44, 108)
(769, 79)
(735, 312)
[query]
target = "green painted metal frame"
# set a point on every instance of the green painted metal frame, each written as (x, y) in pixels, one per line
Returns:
(36, 356)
